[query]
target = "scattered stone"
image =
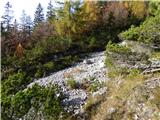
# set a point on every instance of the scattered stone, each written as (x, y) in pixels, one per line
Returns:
(124, 43)
(87, 61)
(93, 66)
(74, 100)
(101, 91)
(111, 110)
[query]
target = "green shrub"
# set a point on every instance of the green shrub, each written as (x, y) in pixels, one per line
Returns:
(115, 48)
(116, 52)
(148, 32)
(15, 82)
(39, 73)
(131, 34)
(95, 84)
(72, 83)
(93, 43)
(31, 102)
(154, 7)
(91, 84)
(48, 66)
(53, 44)
(94, 87)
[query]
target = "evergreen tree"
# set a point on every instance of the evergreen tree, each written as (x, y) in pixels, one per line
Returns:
(26, 23)
(14, 35)
(7, 17)
(23, 20)
(15, 26)
(29, 24)
(2, 29)
(50, 12)
(39, 15)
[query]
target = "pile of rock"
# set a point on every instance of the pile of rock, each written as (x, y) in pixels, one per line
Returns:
(74, 99)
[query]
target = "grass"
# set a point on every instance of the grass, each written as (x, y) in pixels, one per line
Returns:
(72, 83)
(91, 84)
(91, 105)
(156, 55)
(119, 88)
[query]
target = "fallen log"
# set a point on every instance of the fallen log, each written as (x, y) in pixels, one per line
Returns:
(151, 71)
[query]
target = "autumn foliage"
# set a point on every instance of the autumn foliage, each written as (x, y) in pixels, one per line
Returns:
(19, 50)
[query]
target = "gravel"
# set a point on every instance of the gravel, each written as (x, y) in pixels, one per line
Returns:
(93, 66)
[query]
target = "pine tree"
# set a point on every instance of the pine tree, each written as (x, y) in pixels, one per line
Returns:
(2, 30)
(23, 20)
(7, 17)
(26, 23)
(39, 15)
(29, 24)
(15, 26)
(50, 12)
(14, 35)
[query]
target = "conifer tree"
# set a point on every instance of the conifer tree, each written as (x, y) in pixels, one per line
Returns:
(39, 15)
(29, 25)
(26, 23)
(23, 20)
(50, 11)
(7, 17)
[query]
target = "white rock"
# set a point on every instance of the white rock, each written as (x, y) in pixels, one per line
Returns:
(124, 43)
(101, 91)
(111, 110)
(74, 99)
(101, 64)
(87, 61)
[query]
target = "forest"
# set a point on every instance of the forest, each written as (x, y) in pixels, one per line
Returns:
(128, 33)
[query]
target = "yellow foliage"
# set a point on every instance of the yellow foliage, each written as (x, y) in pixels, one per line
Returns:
(19, 50)
(91, 9)
(64, 24)
(138, 8)
(70, 24)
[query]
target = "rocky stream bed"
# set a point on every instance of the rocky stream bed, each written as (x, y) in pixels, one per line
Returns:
(90, 67)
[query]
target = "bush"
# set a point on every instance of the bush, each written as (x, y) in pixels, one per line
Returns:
(148, 32)
(91, 84)
(10, 87)
(72, 83)
(48, 66)
(34, 101)
(53, 44)
(154, 7)
(39, 73)
(125, 54)
(15, 82)
(95, 84)
(112, 47)
(116, 52)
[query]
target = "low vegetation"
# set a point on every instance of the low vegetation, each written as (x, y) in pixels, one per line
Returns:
(128, 89)
(146, 32)
(34, 49)
(33, 103)
(72, 83)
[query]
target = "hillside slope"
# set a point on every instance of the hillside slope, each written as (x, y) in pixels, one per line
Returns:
(85, 78)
